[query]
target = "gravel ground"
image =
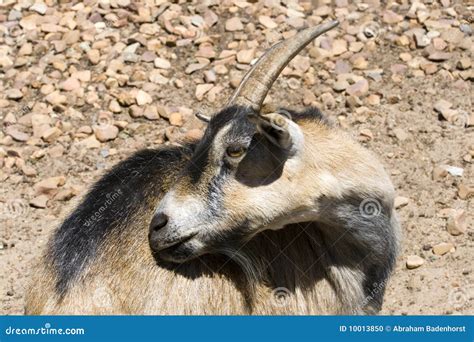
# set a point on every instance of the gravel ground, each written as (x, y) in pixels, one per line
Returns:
(85, 84)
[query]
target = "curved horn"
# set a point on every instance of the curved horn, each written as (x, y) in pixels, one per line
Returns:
(257, 82)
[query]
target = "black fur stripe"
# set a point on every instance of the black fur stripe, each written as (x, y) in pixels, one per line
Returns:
(108, 206)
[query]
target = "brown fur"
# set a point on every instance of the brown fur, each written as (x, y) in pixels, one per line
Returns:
(318, 271)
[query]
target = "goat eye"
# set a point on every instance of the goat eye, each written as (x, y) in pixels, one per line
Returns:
(235, 151)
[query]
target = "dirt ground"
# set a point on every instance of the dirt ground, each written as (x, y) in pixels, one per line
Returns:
(395, 118)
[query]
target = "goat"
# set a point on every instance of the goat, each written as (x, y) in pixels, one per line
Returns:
(269, 213)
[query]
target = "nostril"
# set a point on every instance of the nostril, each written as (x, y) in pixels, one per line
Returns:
(158, 222)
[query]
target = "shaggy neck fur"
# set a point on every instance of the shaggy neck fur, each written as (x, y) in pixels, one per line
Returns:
(305, 268)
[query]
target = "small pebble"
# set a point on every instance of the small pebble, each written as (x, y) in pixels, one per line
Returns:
(443, 248)
(414, 261)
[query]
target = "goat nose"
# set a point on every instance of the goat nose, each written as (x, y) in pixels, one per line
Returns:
(159, 221)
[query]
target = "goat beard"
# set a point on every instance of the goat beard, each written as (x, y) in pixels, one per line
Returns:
(252, 267)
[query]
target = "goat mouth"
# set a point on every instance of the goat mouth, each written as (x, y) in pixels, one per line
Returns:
(178, 251)
(175, 244)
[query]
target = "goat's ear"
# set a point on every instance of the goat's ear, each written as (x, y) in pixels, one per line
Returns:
(280, 130)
